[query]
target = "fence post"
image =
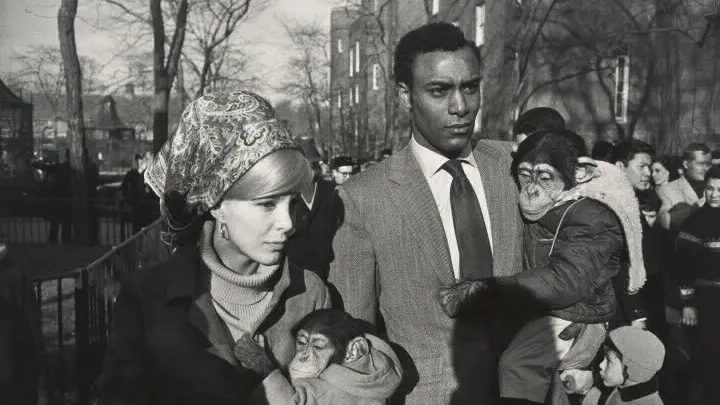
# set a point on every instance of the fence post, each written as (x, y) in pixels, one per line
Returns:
(82, 339)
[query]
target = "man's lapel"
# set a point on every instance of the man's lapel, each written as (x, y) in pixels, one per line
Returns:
(413, 197)
(688, 191)
(500, 209)
(203, 317)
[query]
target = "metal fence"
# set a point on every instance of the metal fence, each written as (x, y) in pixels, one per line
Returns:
(36, 220)
(76, 310)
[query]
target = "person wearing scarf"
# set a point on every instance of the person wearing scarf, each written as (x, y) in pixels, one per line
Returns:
(227, 180)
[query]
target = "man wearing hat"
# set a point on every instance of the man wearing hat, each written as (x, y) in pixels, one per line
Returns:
(633, 357)
(310, 246)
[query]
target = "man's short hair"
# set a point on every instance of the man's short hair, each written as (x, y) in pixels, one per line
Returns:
(602, 150)
(625, 151)
(715, 154)
(713, 173)
(440, 36)
(689, 151)
(538, 118)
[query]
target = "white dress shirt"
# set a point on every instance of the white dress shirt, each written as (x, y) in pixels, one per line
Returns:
(440, 181)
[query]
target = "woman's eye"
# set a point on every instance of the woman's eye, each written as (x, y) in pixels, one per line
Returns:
(268, 204)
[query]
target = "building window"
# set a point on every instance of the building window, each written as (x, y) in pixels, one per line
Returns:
(357, 56)
(350, 96)
(480, 25)
(435, 7)
(339, 46)
(357, 94)
(376, 77)
(339, 101)
(352, 63)
(374, 5)
(622, 87)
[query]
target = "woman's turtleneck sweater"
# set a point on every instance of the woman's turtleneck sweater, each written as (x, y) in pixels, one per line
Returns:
(241, 301)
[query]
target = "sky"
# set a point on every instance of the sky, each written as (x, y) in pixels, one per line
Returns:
(26, 23)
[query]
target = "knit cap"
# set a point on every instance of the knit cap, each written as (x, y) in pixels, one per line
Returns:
(642, 352)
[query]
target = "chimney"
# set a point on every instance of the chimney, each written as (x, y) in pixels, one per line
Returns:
(130, 90)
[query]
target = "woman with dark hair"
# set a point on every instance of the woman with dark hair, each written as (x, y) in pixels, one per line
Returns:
(228, 179)
(664, 170)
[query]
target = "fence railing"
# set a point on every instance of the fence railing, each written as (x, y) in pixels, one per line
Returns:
(76, 310)
(36, 220)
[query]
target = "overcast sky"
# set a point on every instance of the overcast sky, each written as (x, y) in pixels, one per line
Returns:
(26, 23)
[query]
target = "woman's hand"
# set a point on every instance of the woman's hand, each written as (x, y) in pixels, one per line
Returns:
(254, 355)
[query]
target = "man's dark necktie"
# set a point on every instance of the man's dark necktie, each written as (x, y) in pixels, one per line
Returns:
(476, 260)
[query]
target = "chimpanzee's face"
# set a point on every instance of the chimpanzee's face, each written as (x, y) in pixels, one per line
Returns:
(313, 354)
(540, 187)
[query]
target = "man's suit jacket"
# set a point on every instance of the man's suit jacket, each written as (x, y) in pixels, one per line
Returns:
(671, 194)
(391, 255)
(310, 246)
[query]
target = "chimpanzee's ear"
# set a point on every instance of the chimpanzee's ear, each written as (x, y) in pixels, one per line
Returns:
(585, 169)
(357, 348)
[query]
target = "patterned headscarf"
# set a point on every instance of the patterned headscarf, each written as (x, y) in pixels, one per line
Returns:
(220, 137)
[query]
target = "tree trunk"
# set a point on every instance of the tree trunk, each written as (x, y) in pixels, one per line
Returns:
(76, 124)
(165, 70)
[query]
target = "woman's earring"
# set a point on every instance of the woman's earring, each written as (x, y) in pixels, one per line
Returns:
(224, 232)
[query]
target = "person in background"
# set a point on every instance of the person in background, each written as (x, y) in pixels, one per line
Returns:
(310, 246)
(682, 197)
(664, 170)
(698, 270)
(536, 119)
(384, 154)
(342, 169)
(133, 192)
(715, 157)
(227, 197)
(602, 150)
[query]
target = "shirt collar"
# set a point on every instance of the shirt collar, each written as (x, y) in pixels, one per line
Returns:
(431, 162)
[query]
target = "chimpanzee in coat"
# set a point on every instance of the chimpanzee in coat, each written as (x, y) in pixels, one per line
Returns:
(582, 223)
(337, 362)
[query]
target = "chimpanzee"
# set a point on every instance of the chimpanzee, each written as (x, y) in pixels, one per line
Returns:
(582, 224)
(338, 361)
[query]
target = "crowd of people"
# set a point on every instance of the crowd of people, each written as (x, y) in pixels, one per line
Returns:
(452, 271)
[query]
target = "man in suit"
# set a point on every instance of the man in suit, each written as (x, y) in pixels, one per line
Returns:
(309, 247)
(433, 212)
(683, 196)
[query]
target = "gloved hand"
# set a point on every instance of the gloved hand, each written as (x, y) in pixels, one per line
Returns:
(253, 355)
(577, 381)
(463, 295)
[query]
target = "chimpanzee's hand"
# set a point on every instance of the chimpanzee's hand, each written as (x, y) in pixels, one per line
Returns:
(253, 356)
(459, 296)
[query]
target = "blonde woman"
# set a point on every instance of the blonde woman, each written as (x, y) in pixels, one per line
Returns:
(227, 179)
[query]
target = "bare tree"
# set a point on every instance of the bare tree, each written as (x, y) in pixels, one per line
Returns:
(167, 26)
(41, 72)
(308, 68)
(76, 124)
(211, 54)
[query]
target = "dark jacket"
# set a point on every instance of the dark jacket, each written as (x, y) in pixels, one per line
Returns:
(310, 247)
(573, 281)
(169, 346)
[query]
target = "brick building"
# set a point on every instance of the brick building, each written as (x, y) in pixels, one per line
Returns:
(642, 68)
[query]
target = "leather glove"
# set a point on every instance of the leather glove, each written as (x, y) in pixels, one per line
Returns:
(463, 295)
(253, 355)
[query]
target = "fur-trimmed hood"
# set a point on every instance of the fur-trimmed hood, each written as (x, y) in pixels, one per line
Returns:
(611, 187)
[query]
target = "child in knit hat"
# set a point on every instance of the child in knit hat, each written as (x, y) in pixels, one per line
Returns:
(633, 357)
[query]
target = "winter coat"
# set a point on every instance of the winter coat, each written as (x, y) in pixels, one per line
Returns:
(641, 394)
(369, 380)
(571, 275)
(170, 347)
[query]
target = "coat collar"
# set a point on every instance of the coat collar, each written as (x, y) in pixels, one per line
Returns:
(187, 283)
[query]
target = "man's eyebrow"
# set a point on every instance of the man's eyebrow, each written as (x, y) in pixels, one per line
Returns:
(474, 81)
